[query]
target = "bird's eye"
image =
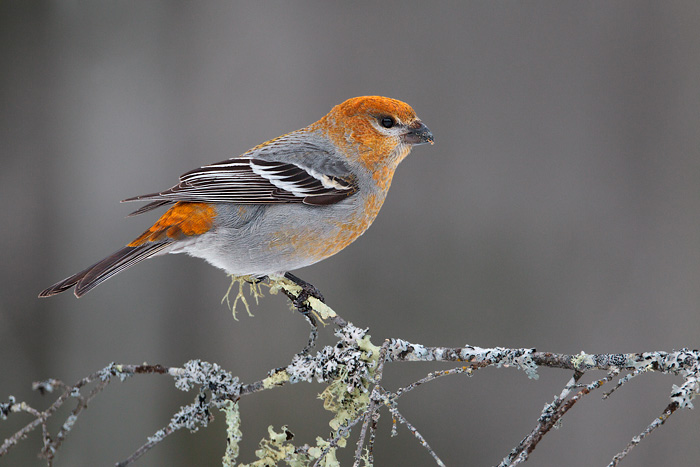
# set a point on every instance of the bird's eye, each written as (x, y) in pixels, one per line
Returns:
(387, 122)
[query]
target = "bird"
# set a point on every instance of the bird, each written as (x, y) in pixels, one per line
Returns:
(284, 204)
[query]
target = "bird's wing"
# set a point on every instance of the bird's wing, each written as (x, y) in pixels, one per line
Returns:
(248, 179)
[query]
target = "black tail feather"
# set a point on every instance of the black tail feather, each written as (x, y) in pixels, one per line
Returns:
(89, 278)
(64, 285)
(148, 207)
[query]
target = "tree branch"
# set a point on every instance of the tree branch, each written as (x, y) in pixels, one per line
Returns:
(352, 372)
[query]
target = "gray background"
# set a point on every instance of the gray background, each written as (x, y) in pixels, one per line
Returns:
(558, 209)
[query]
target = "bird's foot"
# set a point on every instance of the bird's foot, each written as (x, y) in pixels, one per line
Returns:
(307, 290)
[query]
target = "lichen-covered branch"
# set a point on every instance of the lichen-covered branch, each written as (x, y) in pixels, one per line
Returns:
(354, 394)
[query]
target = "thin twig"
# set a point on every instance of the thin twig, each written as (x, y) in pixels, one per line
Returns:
(372, 437)
(625, 379)
(397, 415)
(468, 370)
(144, 449)
(550, 417)
(658, 421)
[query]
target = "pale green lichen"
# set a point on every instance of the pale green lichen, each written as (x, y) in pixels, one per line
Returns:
(329, 460)
(275, 449)
(276, 379)
(278, 283)
(365, 458)
(347, 395)
(583, 361)
(278, 449)
(370, 351)
(320, 310)
(345, 405)
(348, 369)
(233, 432)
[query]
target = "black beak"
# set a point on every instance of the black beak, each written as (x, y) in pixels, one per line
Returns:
(418, 134)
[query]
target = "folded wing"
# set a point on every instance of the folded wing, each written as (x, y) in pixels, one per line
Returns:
(248, 180)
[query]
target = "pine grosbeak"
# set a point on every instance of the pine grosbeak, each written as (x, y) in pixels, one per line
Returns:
(283, 205)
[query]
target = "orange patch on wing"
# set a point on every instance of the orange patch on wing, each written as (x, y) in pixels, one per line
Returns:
(183, 219)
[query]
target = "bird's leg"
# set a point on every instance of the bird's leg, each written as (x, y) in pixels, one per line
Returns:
(305, 310)
(300, 303)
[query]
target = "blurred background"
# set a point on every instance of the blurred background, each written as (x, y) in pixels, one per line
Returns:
(558, 209)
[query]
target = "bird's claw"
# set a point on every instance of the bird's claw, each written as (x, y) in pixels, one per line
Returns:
(307, 290)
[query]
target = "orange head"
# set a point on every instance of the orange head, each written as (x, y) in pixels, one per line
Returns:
(378, 131)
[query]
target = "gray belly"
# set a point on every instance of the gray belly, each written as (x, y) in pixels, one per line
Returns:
(275, 238)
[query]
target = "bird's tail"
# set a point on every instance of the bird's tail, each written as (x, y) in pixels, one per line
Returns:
(89, 278)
